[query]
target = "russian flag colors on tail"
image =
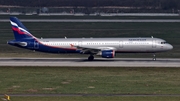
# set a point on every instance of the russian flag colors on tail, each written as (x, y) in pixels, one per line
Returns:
(20, 31)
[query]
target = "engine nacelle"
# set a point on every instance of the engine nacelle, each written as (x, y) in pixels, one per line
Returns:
(108, 53)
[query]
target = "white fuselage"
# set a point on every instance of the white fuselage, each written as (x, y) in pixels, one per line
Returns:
(129, 45)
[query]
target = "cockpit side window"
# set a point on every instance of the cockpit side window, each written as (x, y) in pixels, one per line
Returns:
(163, 42)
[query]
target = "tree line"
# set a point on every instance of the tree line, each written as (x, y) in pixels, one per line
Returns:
(154, 4)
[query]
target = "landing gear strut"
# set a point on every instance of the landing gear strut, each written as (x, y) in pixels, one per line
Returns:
(154, 57)
(91, 58)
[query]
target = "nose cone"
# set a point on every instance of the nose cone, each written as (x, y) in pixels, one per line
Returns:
(169, 47)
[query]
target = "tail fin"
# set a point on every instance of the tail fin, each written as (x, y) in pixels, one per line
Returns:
(20, 31)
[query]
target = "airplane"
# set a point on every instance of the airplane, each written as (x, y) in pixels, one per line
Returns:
(104, 47)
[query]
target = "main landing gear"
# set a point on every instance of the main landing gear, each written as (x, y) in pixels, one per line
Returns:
(91, 58)
(154, 57)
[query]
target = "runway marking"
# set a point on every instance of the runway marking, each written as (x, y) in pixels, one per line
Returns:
(98, 62)
(95, 20)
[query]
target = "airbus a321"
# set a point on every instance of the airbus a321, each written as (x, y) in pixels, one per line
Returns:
(104, 47)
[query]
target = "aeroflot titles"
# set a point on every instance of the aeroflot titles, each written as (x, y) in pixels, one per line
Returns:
(137, 39)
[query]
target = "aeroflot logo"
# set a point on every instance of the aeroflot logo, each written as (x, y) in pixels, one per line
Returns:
(20, 30)
(137, 39)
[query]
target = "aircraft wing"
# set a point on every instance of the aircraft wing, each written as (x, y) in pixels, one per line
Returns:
(93, 50)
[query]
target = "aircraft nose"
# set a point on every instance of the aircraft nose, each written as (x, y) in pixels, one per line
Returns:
(169, 47)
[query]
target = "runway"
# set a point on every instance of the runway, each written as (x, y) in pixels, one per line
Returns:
(98, 62)
(95, 20)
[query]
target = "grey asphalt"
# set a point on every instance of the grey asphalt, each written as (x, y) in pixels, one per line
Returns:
(98, 62)
(94, 20)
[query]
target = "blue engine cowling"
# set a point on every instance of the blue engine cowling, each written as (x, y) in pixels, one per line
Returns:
(108, 53)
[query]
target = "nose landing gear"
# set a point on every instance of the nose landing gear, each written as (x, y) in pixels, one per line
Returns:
(154, 57)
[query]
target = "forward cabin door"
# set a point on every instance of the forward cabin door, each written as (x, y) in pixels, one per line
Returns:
(154, 44)
(120, 44)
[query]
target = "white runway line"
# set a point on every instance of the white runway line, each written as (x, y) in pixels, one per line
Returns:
(99, 62)
(95, 20)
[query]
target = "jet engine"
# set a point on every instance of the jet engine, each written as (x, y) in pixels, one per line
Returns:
(107, 53)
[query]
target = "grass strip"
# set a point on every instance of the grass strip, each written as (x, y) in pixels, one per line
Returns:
(95, 98)
(88, 80)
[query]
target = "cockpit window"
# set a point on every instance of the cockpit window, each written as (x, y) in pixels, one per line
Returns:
(163, 42)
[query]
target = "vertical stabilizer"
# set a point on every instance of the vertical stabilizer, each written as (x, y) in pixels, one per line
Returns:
(20, 31)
